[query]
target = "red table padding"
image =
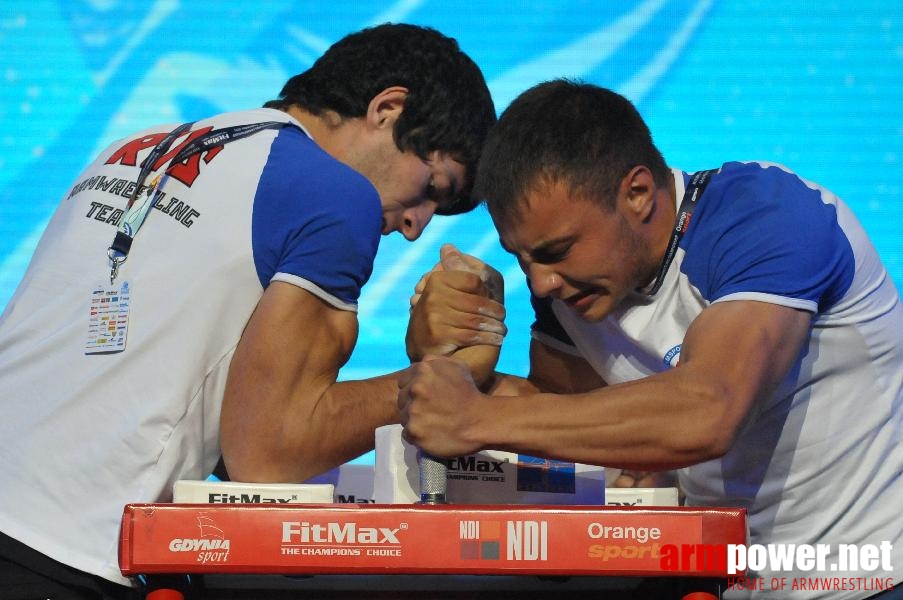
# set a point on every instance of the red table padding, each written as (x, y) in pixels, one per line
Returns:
(417, 539)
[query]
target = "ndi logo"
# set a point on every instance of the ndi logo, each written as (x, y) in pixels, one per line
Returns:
(528, 540)
(524, 540)
(480, 539)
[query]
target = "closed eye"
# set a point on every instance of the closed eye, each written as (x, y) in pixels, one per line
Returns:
(547, 255)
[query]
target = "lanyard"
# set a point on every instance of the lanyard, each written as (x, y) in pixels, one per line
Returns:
(694, 190)
(137, 210)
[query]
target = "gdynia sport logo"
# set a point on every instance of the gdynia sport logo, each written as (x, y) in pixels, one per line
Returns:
(789, 566)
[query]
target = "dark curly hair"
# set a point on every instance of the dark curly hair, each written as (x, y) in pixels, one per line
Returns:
(582, 135)
(448, 107)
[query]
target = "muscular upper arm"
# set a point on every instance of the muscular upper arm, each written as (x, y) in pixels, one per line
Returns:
(288, 356)
(737, 353)
(734, 354)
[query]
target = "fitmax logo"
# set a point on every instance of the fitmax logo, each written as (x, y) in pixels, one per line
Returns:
(337, 533)
(470, 463)
(352, 499)
(217, 498)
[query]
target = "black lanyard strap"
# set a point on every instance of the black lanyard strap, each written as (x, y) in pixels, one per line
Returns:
(698, 182)
(136, 212)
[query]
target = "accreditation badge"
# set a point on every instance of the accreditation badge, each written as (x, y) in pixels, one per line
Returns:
(108, 318)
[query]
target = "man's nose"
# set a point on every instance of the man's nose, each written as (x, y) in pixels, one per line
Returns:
(543, 279)
(414, 220)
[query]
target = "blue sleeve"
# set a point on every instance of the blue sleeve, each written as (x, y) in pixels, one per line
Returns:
(762, 231)
(315, 220)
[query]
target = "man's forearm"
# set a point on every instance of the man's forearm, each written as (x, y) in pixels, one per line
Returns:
(622, 426)
(345, 421)
(312, 435)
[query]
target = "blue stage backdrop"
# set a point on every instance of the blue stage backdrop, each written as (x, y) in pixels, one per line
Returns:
(815, 85)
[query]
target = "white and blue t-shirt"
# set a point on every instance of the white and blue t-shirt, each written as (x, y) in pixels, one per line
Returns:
(819, 461)
(99, 431)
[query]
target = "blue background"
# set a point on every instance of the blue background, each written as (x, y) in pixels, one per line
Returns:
(815, 85)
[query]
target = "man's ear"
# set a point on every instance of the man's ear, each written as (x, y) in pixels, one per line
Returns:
(385, 107)
(638, 193)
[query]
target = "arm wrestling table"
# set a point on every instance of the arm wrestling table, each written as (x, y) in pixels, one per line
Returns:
(323, 539)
